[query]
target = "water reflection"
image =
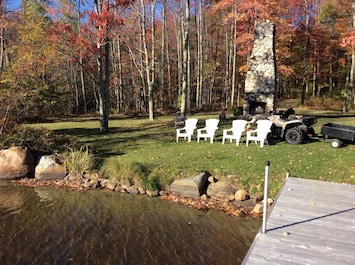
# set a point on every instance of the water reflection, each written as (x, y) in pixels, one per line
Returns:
(58, 226)
(45, 193)
(9, 199)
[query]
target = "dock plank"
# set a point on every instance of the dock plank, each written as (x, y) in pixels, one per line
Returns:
(311, 222)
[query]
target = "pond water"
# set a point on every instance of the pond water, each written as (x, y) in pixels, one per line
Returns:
(59, 226)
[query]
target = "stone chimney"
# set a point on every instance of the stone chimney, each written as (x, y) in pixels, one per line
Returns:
(260, 83)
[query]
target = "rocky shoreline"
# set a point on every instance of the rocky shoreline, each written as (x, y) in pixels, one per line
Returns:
(203, 192)
(204, 203)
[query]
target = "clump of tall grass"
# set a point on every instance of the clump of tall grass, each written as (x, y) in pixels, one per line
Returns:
(156, 180)
(146, 176)
(78, 162)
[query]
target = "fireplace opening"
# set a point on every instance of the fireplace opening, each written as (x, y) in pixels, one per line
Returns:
(257, 107)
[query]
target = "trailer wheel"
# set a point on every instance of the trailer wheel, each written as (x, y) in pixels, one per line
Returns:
(335, 143)
(294, 136)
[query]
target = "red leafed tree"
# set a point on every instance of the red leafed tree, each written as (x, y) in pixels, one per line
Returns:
(251, 12)
(91, 43)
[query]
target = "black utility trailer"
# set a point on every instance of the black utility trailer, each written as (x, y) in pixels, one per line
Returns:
(338, 134)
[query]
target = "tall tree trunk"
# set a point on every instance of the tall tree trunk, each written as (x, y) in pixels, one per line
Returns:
(103, 70)
(152, 83)
(179, 43)
(4, 59)
(149, 63)
(188, 79)
(306, 55)
(162, 60)
(185, 53)
(82, 84)
(331, 82)
(114, 60)
(2, 41)
(234, 66)
(199, 70)
(315, 74)
(227, 69)
(140, 70)
(82, 81)
(74, 85)
(120, 74)
(352, 71)
(347, 84)
(167, 54)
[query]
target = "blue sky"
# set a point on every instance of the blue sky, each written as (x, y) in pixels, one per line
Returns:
(12, 4)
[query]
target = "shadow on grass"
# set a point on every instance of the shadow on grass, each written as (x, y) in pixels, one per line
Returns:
(125, 138)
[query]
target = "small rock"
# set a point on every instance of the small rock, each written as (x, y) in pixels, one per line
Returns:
(103, 182)
(269, 201)
(221, 191)
(203, 197)
(94, 176)
(163, 193)
(257, 197)
(241, 195)
(141, 190)
(86, 183)
(132, 190)
(111, 185)
(152, 193)
(258, 208)
(95, 183)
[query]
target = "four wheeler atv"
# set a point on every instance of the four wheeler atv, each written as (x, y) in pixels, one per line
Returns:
(294, 129)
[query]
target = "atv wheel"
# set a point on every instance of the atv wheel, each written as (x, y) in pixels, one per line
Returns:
(294, 136)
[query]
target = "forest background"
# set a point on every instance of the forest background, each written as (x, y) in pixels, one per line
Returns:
(72, 57)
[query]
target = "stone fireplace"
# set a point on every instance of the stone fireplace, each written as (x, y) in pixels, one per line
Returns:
(260, 83)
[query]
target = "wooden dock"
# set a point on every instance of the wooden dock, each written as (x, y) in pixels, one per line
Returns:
(311, 222)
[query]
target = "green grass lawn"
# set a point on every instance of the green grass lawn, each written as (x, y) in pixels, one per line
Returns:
(137, 146)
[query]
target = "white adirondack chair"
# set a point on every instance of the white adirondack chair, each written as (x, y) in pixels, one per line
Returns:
(211, 125)
(234, 133)
(188, 130)
(260, 133)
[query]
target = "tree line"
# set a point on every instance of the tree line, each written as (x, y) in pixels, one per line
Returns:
(73, 57)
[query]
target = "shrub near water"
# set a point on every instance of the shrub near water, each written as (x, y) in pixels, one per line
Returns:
(78, 162)
(38, 139)
(139, 174)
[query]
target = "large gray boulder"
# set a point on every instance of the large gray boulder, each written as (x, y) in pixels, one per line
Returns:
(221, 190)
(16, 162)
(192, 188)
(50, 167)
